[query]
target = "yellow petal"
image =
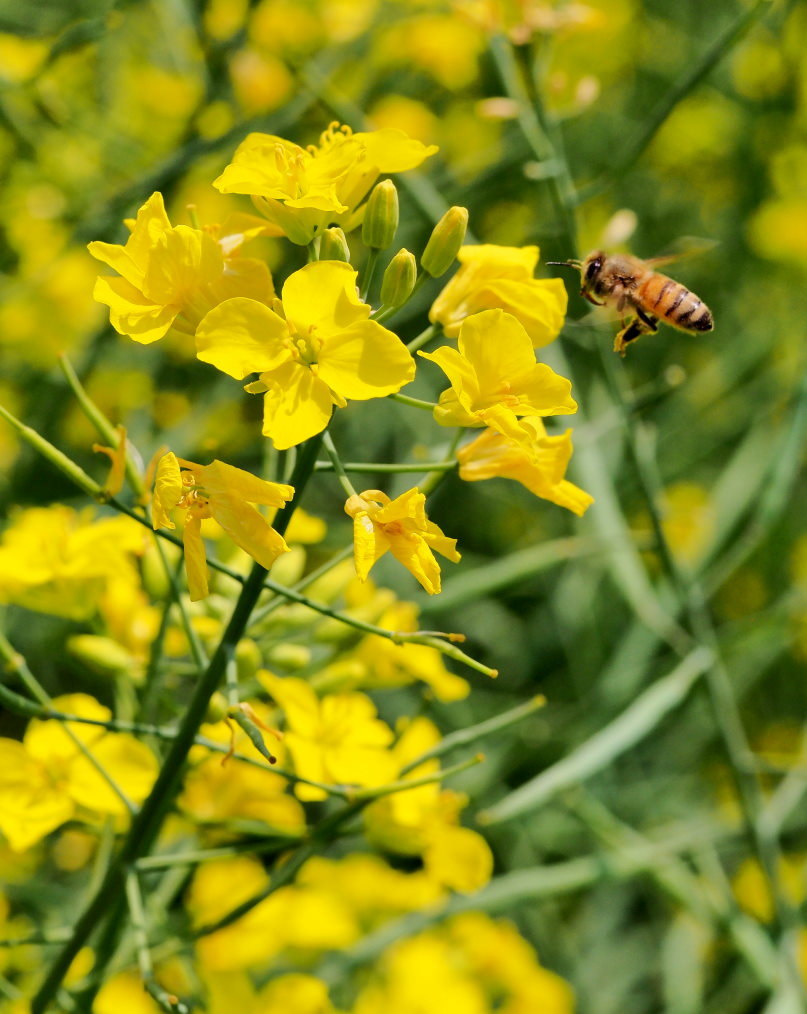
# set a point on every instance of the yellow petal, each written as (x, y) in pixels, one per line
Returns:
(297, 405)
(323, 295)
(460, 373)
(248, 529)
(243, 276)
(168, 490)
(242, 336)
(31, 805)
(458, 858)
(411, 550)
(195, 559)
(219, 477)
(369, 544)
(131, 313)
(130, 764)
(391, 151)
(365, 361)
(497, 347)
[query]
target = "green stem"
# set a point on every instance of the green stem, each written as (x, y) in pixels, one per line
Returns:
(404, 399)
(147, 823)
(369, 271)
(404, 784)
(385, 468)
(164, 1000)
(423, 338)
(337, 465)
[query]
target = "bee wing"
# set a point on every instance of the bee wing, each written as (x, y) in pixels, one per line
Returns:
(682, 249)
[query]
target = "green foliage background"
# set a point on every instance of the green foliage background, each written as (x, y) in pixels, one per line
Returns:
(683, 120)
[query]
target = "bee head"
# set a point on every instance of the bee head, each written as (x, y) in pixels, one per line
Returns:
(591, 268)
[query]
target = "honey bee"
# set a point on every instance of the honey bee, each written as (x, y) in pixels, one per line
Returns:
(633, 285)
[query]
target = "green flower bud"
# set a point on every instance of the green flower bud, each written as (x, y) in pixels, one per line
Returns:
(248, 658)
(104, 656)
(216, 708)
(333, 246)
(289, 656)
(445, 242)
(399, 279)
(381, 216)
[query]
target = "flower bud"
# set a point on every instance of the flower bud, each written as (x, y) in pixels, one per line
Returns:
(104, 656)
(289, 656)
(216, 708)
(381, 216)
(399, 279)
(247, 658)
(445, 242)
(333, 246)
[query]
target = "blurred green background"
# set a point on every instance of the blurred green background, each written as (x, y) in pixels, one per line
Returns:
(674, 121)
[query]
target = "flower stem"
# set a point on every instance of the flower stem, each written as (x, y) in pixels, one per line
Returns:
(423, 338)
(338, 467)
(369, 271)
(404, 399)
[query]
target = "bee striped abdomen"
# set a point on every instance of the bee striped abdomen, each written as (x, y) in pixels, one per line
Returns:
(673, 303)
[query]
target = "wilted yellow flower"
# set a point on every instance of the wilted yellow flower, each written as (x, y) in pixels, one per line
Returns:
(45, 779)
(522, 450)
(398, 526)
(493, 277)
(224, 493)
(170, 276)
(316, 350)
(60, 561)
(493, 372)
(336, 740)
(304, 190)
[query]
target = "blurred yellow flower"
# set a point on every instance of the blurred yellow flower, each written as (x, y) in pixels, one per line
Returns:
(336, 740)
(398, 526)
(224, 493)
(522, 450)
(170, 276)
(304, 190)
(60, 561)
(316, 350)
(501, 277)
(387, 664)
(493, 372)
(46, 779)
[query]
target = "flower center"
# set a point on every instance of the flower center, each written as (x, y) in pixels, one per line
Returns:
(291, 166)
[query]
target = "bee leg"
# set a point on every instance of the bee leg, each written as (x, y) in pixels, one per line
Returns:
(650, 323)
(634, 330)
(590, 298)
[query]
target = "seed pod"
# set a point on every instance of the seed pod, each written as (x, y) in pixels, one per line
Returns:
(445, 242)
(381, 216)
(399, 279)
(333, 246)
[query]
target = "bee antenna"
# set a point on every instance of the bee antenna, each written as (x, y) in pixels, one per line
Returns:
(566, 264)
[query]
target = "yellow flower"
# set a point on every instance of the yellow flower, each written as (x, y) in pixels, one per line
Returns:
(398, 526)
(45, 779)
(493, 277)
(336, 740)
(493, 372)
(320, 352)
(170, 276)
(59, 561)
(304, 190)
(224, 493)
(523, 451)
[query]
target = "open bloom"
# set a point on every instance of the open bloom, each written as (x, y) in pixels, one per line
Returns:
(338, 739)
(303, 190)
(224, 493)
(493, 277)
(46, 779)
(493, 371)
(312, 352)
(399, 526)
(170, 276)
(523, 451)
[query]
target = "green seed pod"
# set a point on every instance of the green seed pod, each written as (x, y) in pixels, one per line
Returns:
(399, 279)
(445, 242)
(381, 216)
(333, 246)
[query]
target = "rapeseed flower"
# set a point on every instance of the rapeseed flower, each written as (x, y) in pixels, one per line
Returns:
(522, 450)
(60, 561)
(336, 740)
(398, 526)
(46, 780)
(224, 493)
(304, 190)
(501, 277)
(170, 276)
(314, 350)
(493, 372)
